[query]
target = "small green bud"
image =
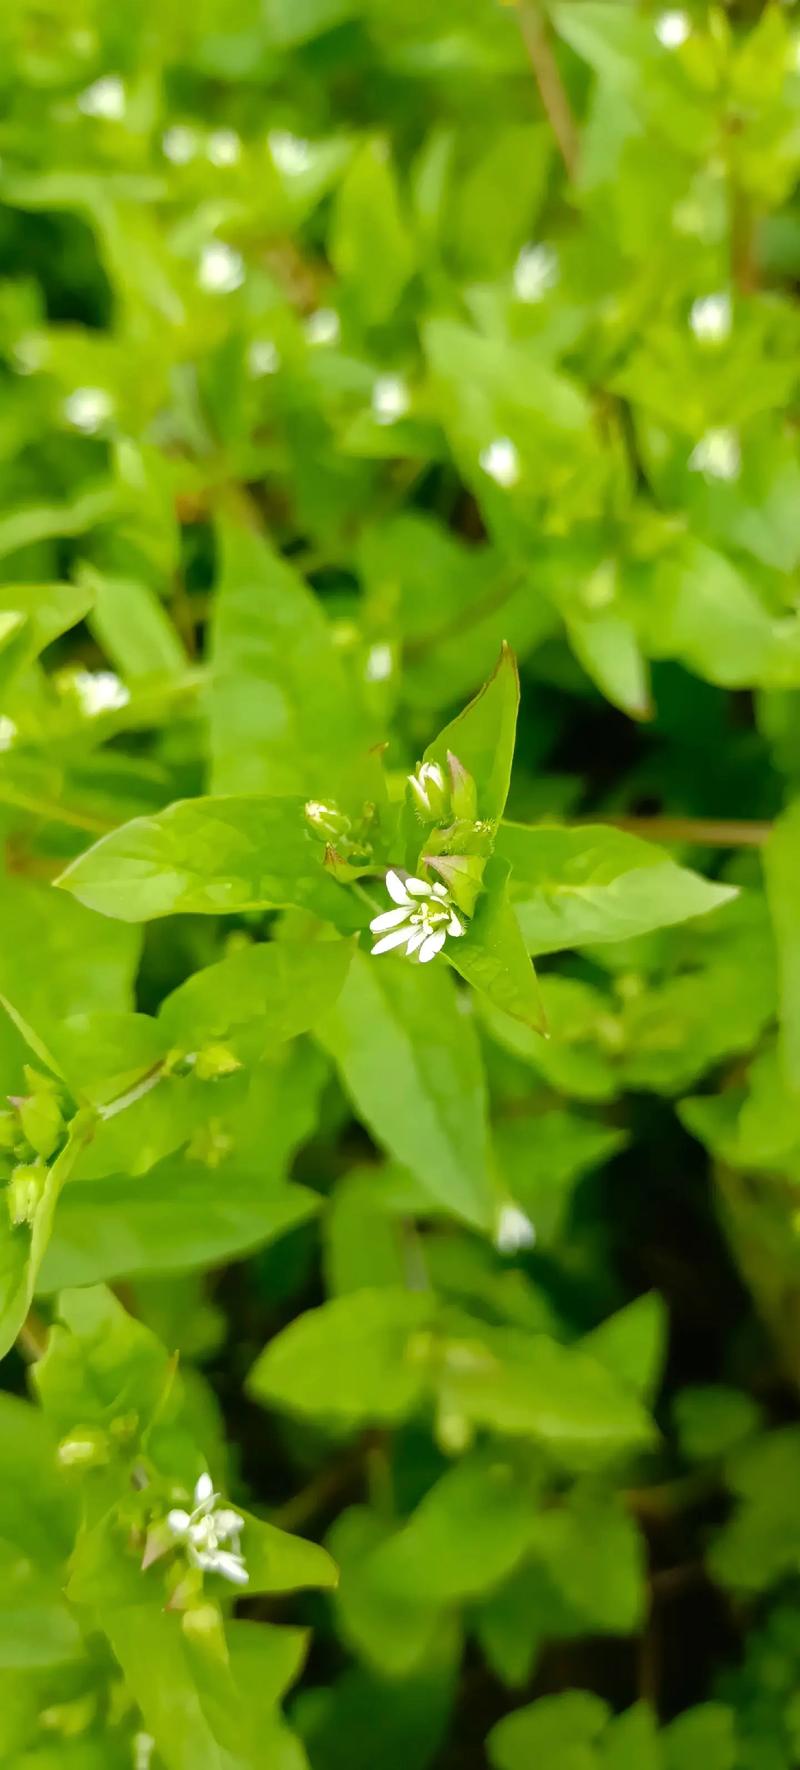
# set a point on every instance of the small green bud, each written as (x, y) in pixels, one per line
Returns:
(215, 1061)
(87, 1447)
(24, 1191)
(42, 1123)
(463, 791)
(326, 820)
(430, 794)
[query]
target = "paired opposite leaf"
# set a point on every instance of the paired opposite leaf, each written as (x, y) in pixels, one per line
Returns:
(210, 857)
(482, 737)
(584, 886)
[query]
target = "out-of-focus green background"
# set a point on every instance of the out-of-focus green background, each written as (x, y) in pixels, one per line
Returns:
(485, 315)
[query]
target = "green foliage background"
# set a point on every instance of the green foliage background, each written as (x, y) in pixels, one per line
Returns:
(343, 343)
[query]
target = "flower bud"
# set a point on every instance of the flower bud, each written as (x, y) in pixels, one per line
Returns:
(463, 792)
(24, 1191)
(429, 792)
(326, 820)
(215, 1061)
(85, 1448)
(42, 1123)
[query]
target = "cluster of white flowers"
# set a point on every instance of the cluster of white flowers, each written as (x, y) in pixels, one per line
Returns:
(210, 1534)
(673, 28)
(390, 399)
(221, 269)
(423, 918)
(717, 455)
(88, 409)
(535, 271)
(263, 358)
(99, 691)
(105, 98)
(322, 326)
(290, 153)
(711, 318)
(500, 459)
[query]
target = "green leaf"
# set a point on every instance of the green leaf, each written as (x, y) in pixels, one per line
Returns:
(133, 628)
(482, 737)
(283, 716)
(277, 1562)
(349, 1361)
(149, 1645)
(595, 1557)
(209, 857)
(100, 1363)
(492, 956)
(266, 993)
(23, 1246)
(702, 1739)
(557, 1730)
(781, 873)
(586, 886)
(370, 244)
(633, 1343)
(38, 1518)
(411, 1065)
(479, 1502)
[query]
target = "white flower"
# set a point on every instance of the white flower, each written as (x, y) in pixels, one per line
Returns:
(8, 732)
(422, 920)
(717, 455)
(535, 271)
(711, 318)
(501, 461)
(290, 154)
(263, 357)
(105, 98)
(99, 691)
(672, 29)
(223, 147)
(514, 1230)
(322, 327)
(205, 1532)
(378, 663)
(180, 144)
(144, 1746)
(87, 409)
(390, 399)
(429, 788)
(221, 269)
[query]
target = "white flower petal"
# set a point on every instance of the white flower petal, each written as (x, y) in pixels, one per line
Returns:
(178, 1521)
(396, 888)
(415, 940)
(228, 1522)
(418, 887)
(454, 927)
(231, 1567)
(204, 1490)
(398, 937)
(439, 890)
(389, 919)
(431, 946)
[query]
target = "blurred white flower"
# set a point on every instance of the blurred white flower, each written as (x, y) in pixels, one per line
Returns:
(99, 691)
(501, 461)
(104, 98)
(390, 399)
(27, 355)
(8, 732)
(180, 144)
(535, 271)
(322, 327)
(263, 357)
(514, 1230)
(144, 1746)
(378, 663)
(717, 455)
(711, 318)
(223, 147)
(421, 922)
(290, 153)
(210, 1534)
(221, 269)
(87, 409)
(672, 29)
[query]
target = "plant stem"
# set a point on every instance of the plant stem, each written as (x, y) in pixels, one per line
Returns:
(702, 831)
(552, 93)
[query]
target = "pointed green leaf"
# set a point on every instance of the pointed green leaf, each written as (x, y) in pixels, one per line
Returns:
(482, 737)
(492, 955)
